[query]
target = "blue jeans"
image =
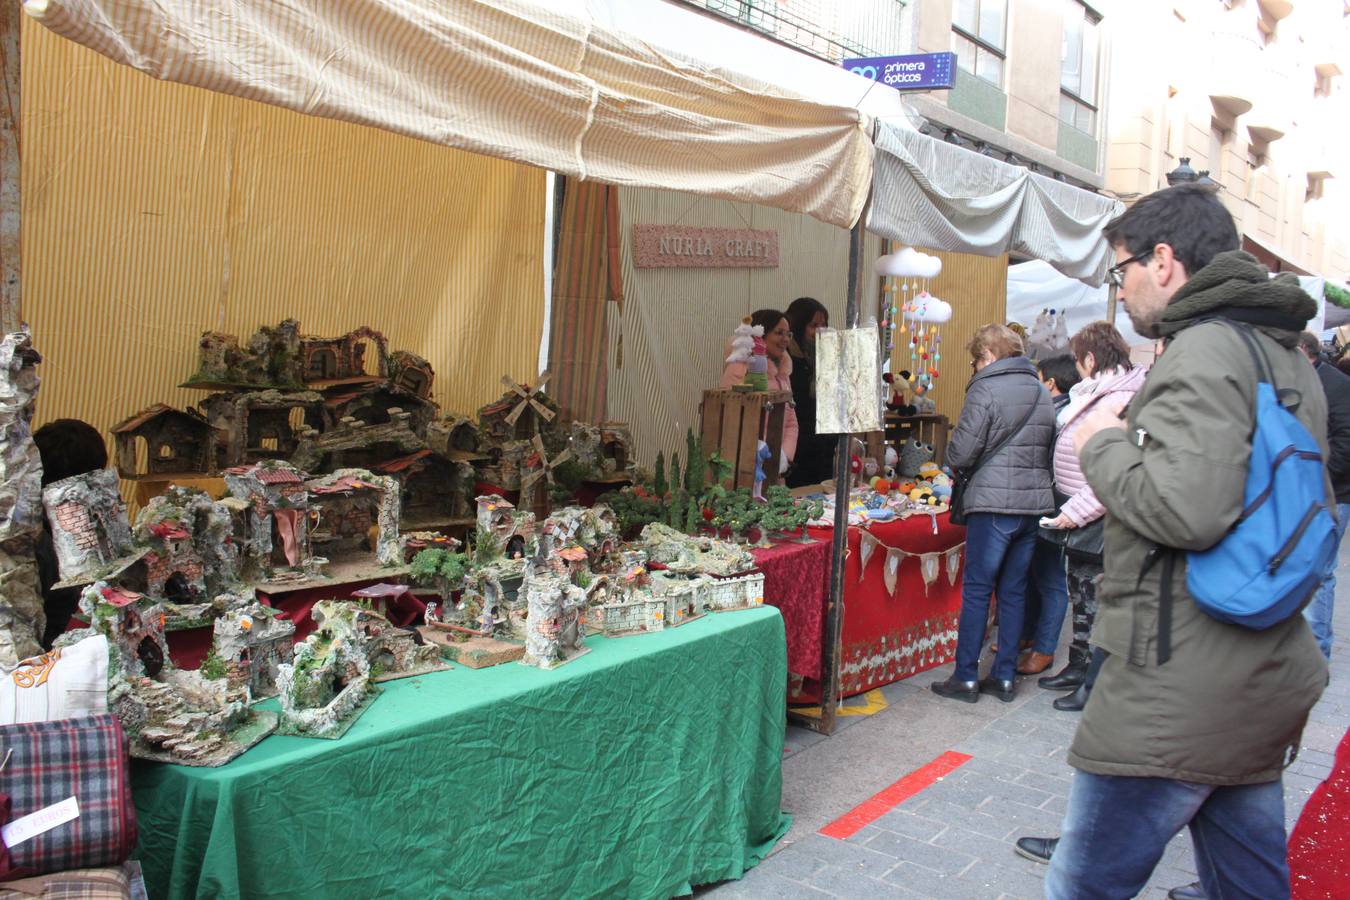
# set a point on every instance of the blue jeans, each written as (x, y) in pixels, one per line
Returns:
(1047, 598)
(1117, 828)
(1318, 612)
(998, 556)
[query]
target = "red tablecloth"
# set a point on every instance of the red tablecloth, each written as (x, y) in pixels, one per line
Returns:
(1319, 847)
(887, 638)
(797, 581)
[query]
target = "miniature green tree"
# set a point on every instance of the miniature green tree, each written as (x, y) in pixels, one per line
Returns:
(675, 482)
(696, 472)
(213, 667)
(693, 520)
(659, 486)
(441, 569)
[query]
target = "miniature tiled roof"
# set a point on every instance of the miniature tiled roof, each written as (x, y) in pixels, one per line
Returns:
(169, 530)
(268, 476)
(573, 554)
(117, 596)
(343, 485)
(154, 412)
(398, 465)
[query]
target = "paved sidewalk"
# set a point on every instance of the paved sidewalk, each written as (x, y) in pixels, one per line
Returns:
(954, 839)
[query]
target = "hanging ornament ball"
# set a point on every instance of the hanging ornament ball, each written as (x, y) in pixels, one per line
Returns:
(911, 378)
(932, 372)
(933, 329)
(904, 328)
(937, 356)
(895, 310)
(924, 354)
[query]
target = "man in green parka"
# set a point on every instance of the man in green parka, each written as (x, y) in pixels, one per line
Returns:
(1199, 740)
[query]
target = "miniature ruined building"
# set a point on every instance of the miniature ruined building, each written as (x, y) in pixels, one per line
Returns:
(253, 643)
(436, 490)
(190, 549)
(455, 436)
(271, 358)
(324, 688)
(172, 442)
(517, 416)
(258, 425)
(273, 526)
(352, 443)
(89, 523)
(616, 448)
(410, 374)
(376, 404)
(553, 626)
(358, 514)
(343, 358)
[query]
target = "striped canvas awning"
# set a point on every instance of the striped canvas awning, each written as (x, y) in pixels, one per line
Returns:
(932, 194)
(540, 82)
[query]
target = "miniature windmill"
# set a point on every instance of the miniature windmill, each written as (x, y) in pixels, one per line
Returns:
(529, 489)
(528, 403)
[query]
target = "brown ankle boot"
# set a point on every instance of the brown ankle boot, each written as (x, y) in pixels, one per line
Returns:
(1033, 663)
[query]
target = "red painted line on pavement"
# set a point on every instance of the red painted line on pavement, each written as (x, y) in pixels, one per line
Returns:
(867, 812)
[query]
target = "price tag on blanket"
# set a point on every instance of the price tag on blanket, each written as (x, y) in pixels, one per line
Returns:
(44, 820)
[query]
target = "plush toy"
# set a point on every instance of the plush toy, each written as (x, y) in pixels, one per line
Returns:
(923, 496)
(761, 457)
(913, 455)
(897, 402)
(905, 487)
(742, 343)
(757, 370)
(942, 487)
(924, 406)
(928, 470)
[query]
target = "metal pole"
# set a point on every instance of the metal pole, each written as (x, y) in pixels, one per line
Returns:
(1111, 303)
(834, 611)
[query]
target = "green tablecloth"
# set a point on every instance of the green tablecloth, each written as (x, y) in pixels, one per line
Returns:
(647, 765)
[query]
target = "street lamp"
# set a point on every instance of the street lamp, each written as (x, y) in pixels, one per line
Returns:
(1184, 174)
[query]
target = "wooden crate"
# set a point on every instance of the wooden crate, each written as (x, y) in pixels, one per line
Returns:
(927, 429)
(733, 423)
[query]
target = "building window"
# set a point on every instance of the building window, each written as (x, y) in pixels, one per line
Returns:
(1078, 68)
(979, 37)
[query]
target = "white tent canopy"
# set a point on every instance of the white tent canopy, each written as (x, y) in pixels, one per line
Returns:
(929, 193)
(541, 82)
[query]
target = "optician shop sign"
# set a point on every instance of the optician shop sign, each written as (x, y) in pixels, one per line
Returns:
(690, 247)
(915, 72)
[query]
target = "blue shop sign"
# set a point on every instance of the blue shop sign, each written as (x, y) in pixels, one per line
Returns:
(915, 72)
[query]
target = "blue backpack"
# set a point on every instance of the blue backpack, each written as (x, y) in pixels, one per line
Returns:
(1283, 545)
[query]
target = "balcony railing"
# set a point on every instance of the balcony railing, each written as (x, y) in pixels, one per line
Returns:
(825, 29)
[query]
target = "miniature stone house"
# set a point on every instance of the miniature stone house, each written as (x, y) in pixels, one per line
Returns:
(343, 358)
(507, 463)
(190, 551)
(435, 490)
(325, 688)
(89, 524)
(253, 643)
(259, 425)
(273, 530)
(353, 505)
(411, 374)
(457, 437)
(616, 448)
(554, 627)
(176, 442)
(132, 623)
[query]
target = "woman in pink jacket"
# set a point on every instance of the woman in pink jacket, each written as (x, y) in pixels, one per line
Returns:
(777, 335)
(1103, 360)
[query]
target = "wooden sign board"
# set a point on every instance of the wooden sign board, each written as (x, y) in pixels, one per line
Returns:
(690, 247)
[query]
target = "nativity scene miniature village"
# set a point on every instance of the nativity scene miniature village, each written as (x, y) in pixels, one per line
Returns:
(435, 540)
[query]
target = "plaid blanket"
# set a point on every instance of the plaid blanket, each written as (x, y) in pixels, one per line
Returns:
(81, 884)
(45, 763)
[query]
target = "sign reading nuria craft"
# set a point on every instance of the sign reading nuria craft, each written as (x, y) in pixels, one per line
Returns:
(915, 72)
(690, 247)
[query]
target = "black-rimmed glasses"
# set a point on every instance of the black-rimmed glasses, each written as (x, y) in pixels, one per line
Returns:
(1116, 274)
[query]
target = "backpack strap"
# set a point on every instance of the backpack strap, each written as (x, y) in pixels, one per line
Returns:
(1289, 398)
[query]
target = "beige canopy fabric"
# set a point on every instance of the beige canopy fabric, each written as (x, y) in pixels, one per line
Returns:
(539, 82)
(933, 194)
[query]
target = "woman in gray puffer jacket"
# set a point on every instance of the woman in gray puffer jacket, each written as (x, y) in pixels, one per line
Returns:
(1008, 411)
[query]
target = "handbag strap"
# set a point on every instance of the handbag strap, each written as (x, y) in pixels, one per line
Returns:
(1003, 441)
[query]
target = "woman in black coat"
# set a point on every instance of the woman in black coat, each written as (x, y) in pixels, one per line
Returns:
(815, 453)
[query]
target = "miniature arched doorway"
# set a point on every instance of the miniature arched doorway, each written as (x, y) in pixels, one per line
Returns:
(367, 357)
(321, 363)
(142, 455)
